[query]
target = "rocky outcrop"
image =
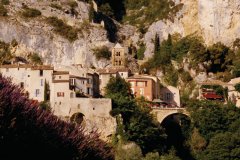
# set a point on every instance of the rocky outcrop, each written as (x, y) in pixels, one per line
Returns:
(34, 35)
(214, 20)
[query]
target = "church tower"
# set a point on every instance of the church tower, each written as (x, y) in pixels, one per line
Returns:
(118, 56)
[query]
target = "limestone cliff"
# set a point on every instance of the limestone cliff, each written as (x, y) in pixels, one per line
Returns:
(214, 20)
(34, 35)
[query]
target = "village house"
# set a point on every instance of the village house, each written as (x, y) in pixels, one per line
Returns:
(29, 77)
(145, 86)
(84, 81)
(170, 95)
(233, 95)
(106, 74)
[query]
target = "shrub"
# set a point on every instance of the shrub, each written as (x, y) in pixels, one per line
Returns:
(102, 52)
(63, 29)
(3, 10)
(30, 12)
(140, 52)
(5, 2)
(72, 4)
(57, 6)
(35, 58)
(25, 127)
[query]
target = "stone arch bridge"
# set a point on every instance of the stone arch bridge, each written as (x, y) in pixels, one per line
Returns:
(162, 113)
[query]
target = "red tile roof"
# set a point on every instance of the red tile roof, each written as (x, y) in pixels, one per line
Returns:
(212, 96)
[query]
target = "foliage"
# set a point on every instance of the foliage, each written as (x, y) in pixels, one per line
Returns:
(25, 127)
(171, 77)
(102, 52)
(197, 142)
(127, 151)
(212, 118)
(5, 2)
(140, 52)
(237, 87)
(14, 43)
(3, 10)
(30, 12)
(5, 53)
(151, 9)
(219, 57)
(223, 146)
(91, 13)
(57, 6)
(138, 124)
(72, 3)
(63, 29)
(35, 58)
(45, 106)
(106, 10)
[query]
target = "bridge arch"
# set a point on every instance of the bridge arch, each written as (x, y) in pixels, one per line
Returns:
(162, 113)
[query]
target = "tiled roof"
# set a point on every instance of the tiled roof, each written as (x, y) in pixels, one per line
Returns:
(33, 67)
(212, 96)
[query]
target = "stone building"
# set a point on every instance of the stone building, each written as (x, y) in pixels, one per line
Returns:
(106, 74)
(30, 78)
(170, 95)
(145, 86)
(119, 55)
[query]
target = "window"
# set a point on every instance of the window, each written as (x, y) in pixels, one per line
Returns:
(60, 94)
(7, 69)
(59, 77)
(168, 96)
(78, 107)
(145, 84)
(22, 85)
(83, 82)
(71, 95)
(41, 82)
(121, 74)
(141, 91)
(37, 92)
(41, 73)
(72, 82)
(28, 75)
(88, 90)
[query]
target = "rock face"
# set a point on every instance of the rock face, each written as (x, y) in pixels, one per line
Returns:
(34, 35)
(214, 20)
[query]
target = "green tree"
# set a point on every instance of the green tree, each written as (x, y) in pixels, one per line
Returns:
(156, 43)
(138, 124)
(223, 146)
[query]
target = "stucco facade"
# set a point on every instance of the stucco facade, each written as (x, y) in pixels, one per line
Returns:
(30, 78)
(144, 86)
(171, 95)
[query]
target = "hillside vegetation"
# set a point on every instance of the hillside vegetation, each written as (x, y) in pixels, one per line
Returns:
(140, 13)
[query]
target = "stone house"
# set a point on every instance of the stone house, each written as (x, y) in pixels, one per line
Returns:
(29, 77)
(170, 95)
(234, 95)
(94, 111)
(145, 86)
(106, 74)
